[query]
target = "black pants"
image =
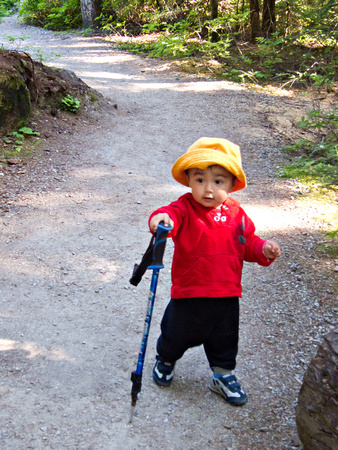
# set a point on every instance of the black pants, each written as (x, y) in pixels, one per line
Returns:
(212, 322)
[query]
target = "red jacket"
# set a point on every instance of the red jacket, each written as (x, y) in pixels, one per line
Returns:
(210, 247)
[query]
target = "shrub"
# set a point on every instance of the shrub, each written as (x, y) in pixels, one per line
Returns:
(52, 14)
(70, 104)
(317, 158)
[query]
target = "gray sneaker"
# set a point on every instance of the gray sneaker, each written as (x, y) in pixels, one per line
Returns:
(229, 388)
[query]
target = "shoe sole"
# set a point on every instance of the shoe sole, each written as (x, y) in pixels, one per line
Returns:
(159, 383)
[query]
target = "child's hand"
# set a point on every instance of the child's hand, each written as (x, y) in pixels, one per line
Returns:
(155, 220)
(271, 249)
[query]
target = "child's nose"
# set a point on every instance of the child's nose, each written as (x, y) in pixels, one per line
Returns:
(208, 187)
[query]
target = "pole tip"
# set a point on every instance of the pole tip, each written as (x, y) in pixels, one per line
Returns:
(132, 412)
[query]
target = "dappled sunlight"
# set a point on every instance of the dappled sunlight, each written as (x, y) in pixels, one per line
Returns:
(7, 315)
(91, 173)
(35, 351)
(284, 217)
(100, 269)
(138, 84)
(170, 191)
(102, 59)
(28, 265)
(106, 75)
(59, 199)
(196, 86)
(270, 218)
(83, 266)
(86, 46)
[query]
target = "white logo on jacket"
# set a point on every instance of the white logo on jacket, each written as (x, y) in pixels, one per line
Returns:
(219, 217)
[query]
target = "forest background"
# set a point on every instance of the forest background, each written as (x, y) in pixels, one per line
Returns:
(268, 44)
(289, 44)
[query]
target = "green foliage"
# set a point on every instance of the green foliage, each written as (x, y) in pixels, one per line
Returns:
(181, 39)
(320, 24)
(27, 131)
(7, 7)
(52, 14)
(14, 142)
(300, 54)
(70, 104)
(333, 234)
(330, 245)
(13, 43)
(316, 159)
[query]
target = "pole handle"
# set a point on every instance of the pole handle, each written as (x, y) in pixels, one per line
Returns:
(159, 245)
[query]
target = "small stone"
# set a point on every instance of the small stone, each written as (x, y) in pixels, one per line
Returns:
(13, 161)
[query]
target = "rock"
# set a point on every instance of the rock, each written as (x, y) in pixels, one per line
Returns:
(26, 84)
(13, 161)
(317, 409)
(15, 98)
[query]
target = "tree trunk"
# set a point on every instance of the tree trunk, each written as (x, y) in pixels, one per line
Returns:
(256, 30)
(214, 9)
(88, 12)
(269, 17)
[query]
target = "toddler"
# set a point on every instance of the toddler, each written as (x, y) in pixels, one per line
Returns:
(212, 236)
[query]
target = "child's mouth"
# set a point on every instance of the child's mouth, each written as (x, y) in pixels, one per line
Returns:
(208, 201)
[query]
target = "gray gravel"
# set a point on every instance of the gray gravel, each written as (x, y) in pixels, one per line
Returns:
(72, 228)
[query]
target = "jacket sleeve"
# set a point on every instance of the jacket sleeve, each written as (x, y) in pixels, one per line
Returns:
(254, 244)
(175, 211)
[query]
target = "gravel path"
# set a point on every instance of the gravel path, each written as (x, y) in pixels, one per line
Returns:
(72, 228)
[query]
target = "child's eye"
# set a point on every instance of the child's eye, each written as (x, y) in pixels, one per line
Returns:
(200, 180)
(218, 181)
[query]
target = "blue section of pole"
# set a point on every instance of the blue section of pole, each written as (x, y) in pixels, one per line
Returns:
(147, 322)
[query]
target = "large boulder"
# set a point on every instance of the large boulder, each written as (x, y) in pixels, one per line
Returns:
(27, 84)
(317, 409)
(15, 97)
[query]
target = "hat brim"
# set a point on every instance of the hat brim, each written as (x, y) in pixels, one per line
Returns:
(202, 158)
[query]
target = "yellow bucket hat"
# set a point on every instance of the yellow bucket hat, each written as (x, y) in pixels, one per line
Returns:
(206, 152)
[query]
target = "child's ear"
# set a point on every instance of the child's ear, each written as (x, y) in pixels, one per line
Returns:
(234, 182)
(187, 176)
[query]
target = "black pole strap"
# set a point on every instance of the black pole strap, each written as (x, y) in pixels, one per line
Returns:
(140, 269)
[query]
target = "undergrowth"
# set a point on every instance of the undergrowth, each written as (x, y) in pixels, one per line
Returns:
(71, 104)
(7, 7)
(315, 165)
(315, 159)
(275, 61)
(52, 14)
(13, 144)
(299, 52)
(302, 57)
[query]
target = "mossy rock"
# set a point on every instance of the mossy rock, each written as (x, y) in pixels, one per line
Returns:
(26, 84)
(15, 97)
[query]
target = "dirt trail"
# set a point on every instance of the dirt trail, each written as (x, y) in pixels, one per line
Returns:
(71, 324)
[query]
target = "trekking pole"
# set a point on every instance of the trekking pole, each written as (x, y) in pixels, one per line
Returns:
(156, 264)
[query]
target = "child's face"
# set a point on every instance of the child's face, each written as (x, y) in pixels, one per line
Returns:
(211, 187)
